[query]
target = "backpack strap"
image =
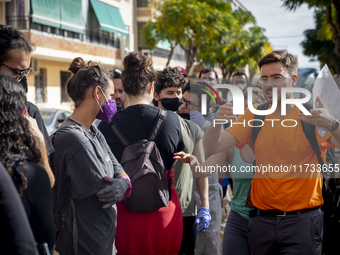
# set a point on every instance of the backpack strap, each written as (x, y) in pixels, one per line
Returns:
(154, 131)
(309, 131)
(258, 118)
(119, 134)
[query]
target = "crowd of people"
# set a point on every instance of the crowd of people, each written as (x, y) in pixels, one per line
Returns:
(127, 174)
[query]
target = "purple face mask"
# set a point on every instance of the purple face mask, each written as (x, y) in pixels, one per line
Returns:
(107, 111)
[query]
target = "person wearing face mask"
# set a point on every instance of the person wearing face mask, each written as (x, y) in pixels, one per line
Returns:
(94, 179)
(167, 95)
(15, 58)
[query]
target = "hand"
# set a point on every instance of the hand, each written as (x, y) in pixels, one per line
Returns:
(320, 117)
(225, 112)
(204, 216)
(182, 156)
(34, 129)
(113, 193)
(197, 117)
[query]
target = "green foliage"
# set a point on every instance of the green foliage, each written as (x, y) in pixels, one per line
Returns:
(318, 45)
(329, 22)
(188, 23)
(237, 46)
(292, 5)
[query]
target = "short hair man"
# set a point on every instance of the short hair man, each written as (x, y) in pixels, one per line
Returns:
(15, 59)
(120, 95)
(286, 208)
(167, 93)
(240, 78)
(210, 75)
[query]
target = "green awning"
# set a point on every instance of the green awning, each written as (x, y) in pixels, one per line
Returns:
(46, 12)
(109, 17)
(62, 14)
(71, 16)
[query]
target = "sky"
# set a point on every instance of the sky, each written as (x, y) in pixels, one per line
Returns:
(284, 28)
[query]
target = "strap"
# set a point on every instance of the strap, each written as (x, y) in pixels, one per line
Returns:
(119, 134)
(157, 126)
(309, 131)
(258, 118)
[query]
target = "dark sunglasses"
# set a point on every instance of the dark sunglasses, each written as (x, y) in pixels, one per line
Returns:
(20, 72)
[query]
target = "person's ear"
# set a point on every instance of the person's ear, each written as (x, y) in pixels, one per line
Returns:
(294, 79)
(156, 97)
(150, 88)
(96, 92)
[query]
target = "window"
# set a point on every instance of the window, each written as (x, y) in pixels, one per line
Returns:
(64, 77)
(142, 3)
(15, 12)
(40, 86)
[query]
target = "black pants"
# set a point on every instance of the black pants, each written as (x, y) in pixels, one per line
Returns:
(189, 236)
(292, 234)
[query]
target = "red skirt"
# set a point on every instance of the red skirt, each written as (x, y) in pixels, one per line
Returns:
(150, 233)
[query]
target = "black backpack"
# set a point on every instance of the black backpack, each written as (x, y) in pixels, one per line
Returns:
(330, 193)
(143, 163)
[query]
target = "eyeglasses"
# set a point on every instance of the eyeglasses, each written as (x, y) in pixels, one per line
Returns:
(189, 105)
(20, 72)
(275, 80)
(210, 79)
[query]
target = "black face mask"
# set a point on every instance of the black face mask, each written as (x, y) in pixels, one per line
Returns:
(171, 104)
(184, 115)
(23, 83)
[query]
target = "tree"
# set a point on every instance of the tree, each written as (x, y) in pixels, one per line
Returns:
(188, 23)
(332, 10)
(318, 43)
(237, 46)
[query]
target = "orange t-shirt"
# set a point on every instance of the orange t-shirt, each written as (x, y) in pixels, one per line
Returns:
(287, 147)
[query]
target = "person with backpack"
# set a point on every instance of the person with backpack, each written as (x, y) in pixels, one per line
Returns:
(286, 204)
(21, 149)
(144, 138)
(89, 180)
(235, 239)
(167, 96)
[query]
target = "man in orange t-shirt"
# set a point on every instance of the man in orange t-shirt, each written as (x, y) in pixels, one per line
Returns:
(287, 187)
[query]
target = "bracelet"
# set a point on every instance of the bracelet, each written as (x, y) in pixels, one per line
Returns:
(129, 190)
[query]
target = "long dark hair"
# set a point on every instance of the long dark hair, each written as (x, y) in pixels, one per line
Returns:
(15, 138)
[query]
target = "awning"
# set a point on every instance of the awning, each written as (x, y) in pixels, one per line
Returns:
(63, 14)
(72, 16)
(109, 17)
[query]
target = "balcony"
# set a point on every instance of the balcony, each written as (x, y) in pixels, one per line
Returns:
(103, 38)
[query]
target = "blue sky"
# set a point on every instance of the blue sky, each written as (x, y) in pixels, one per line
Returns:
(284, 29)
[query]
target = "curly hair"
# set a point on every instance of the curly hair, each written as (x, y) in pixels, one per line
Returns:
(15, 139)
(85, 76)
(168, 77)
(137, 74)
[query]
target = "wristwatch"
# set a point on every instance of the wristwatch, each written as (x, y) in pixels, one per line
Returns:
(335, 126)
